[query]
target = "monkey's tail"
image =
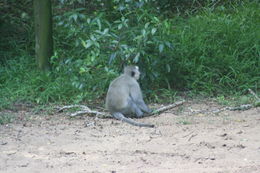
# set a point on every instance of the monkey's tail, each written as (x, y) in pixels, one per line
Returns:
(121, 117)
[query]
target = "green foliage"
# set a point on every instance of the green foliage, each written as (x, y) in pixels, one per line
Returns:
(94, 42)
(191, 7)
(210, 47)
(211, 52)
(218, 51)
(15, 29)
(22, 83)
(162, 96)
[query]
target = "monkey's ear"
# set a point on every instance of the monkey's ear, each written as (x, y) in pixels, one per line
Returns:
(132, 73)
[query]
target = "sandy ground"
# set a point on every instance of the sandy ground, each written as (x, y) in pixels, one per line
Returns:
(181, 143)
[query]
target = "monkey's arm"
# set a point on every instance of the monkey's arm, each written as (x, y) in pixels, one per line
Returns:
(141, 104)
(137, 97)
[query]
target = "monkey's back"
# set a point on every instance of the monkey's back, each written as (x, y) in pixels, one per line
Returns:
(118, 93)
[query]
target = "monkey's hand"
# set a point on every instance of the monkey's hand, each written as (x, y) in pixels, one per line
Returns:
(154, 111)
(149, 112)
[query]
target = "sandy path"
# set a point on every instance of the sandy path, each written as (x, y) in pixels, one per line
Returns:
(228, 142)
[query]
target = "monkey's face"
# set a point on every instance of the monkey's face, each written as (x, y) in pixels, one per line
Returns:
(132, 71)
(136, 74)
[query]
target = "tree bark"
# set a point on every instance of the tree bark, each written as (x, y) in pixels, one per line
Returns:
(43, 33)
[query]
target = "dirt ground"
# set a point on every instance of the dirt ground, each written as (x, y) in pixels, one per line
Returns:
(182, 142)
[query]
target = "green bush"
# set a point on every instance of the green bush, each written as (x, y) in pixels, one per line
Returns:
(213, 51)
(217, 51)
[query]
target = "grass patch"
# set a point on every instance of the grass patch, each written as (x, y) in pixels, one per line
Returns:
(217, 52)
(6, 118)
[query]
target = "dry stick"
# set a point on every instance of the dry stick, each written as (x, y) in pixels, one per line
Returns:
(165, 108)
(87, 110)
(72, 106)
(193, 135)
(98, 114)
(240, 107)
(236, 108)
(216, 111)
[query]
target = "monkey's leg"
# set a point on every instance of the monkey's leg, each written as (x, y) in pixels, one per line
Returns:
(141, 104)
(132, 108)
(121, 117)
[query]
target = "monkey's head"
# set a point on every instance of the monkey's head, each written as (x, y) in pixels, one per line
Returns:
(132, 71)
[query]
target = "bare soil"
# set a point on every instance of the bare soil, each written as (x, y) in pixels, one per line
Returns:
(228, 142)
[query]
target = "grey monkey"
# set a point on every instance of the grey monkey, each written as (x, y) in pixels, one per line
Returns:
(124, 97)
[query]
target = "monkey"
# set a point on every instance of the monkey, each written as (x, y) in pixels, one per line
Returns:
(124, 97)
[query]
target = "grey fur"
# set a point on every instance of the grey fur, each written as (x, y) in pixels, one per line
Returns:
(124, 97)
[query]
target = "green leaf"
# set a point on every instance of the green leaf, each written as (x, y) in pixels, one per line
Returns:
(82, 70)
(92, 37)
(136, 58)
(161, 47)
(169, 45)
(168, 68)
(89, 43)
(83, 43)
(112, 57)
(143, 32)
(153, 31)
(99, 24)
(120, 26)
(105, 31)
(146, 25)
(74, 17)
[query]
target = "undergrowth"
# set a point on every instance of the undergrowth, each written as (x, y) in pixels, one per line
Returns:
(214, 52)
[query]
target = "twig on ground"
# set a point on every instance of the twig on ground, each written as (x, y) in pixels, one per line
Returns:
(87, 110)
(84, 110)
(236, 108)
(193, 135)
(98, 114)
(83, 107)
(216, 111)
(165, 108)
(240, 107)
(188, 134)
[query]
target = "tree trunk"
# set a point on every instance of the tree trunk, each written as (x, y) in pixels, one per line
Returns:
(43, 33)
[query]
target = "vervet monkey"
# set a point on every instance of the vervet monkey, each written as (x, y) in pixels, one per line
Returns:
(124, 97)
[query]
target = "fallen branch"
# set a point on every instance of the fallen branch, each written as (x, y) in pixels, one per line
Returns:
(83, 107)
(235, 108)
(165, 108)
(86, 110)
(193, 135)
(240, 107)
(98, 114)
(216, 111)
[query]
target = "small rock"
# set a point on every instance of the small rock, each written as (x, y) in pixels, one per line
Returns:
(240, 132)
(4, 143)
